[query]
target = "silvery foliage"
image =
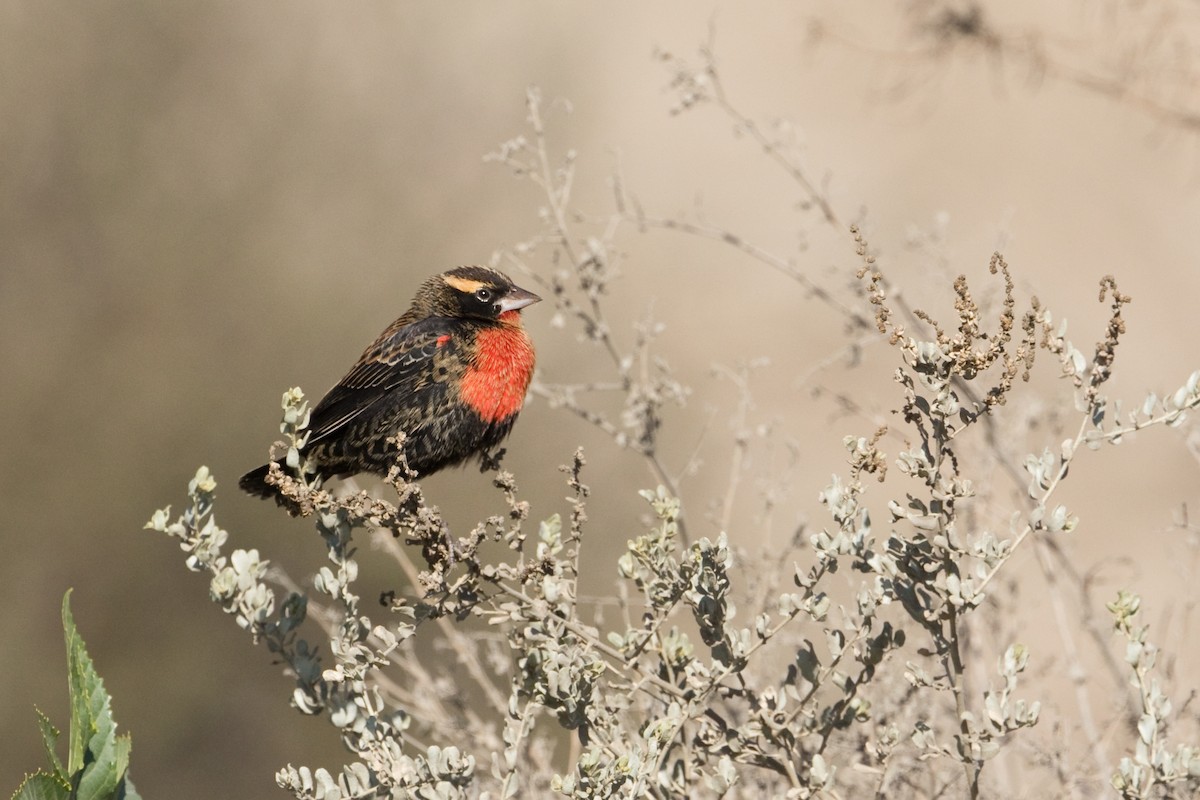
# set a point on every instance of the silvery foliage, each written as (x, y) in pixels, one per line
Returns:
(669, 704)
(851, 677)
(940, 569)
(1153, 770)
(369, 728)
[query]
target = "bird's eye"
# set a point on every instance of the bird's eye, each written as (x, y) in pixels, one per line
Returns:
(483, 295)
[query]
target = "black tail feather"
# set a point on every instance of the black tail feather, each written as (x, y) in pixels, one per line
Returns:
(255, 483)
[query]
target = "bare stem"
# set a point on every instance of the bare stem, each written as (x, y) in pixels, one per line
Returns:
(462, 646)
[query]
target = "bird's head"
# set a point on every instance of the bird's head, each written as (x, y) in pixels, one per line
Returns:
(473, 292)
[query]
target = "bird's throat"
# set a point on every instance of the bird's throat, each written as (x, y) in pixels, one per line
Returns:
(495, 384)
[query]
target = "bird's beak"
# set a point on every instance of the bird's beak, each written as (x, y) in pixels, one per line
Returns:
(517, 298)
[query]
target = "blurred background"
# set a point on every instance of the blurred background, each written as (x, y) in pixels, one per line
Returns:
(202, 205)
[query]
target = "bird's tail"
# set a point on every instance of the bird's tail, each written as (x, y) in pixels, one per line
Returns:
(255, 483)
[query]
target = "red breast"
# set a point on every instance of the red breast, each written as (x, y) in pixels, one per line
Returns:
(495, 384)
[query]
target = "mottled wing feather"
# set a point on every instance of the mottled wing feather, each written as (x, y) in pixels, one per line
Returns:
(400, 363)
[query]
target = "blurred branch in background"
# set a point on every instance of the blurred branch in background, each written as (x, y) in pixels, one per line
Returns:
(582, 266)
(1134, 53)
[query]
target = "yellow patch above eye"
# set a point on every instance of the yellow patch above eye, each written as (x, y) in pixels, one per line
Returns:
(464, 285)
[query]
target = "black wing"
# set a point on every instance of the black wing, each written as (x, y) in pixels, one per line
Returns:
(401, 362)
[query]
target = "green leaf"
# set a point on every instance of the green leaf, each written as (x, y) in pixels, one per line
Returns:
(80, 719)
(43, 786)
(123, 745)
(94, 751)
(50, 736)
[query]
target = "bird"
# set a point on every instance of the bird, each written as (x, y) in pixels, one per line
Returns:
(450, 375)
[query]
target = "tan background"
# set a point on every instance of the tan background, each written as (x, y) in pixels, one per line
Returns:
(201, 205)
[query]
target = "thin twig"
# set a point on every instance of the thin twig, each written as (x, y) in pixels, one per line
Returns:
(462, 646)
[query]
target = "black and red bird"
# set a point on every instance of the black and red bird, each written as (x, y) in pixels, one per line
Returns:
(451, 374)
